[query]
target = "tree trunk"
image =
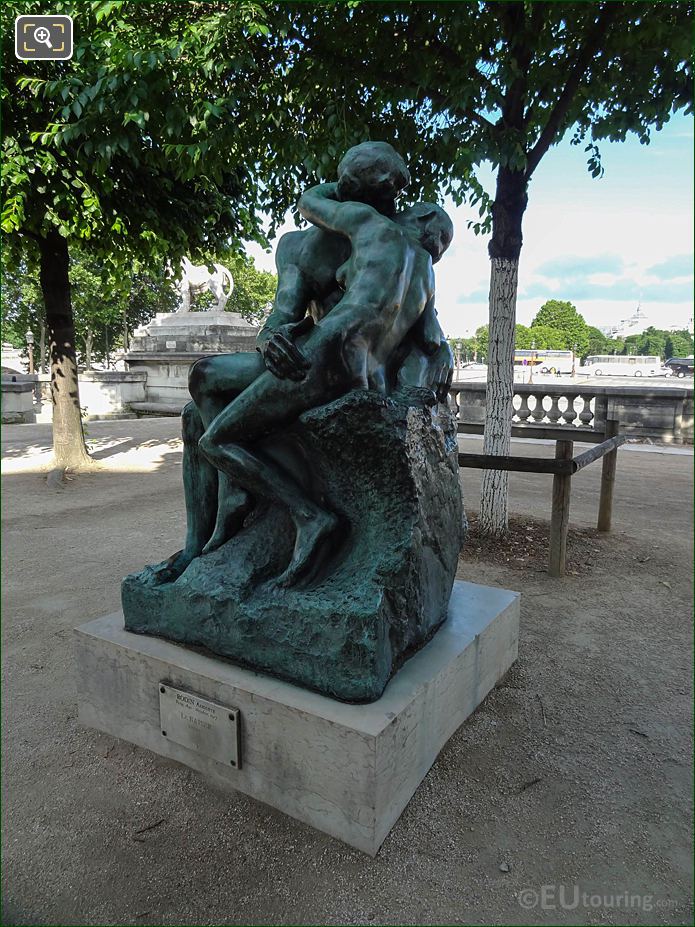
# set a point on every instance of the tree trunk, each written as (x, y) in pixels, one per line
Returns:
(42, 346)
(125, 329)
(505, 247)
(69, 449)
(88, 342)
(499, 394)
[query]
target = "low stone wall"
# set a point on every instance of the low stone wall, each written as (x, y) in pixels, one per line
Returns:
(18, 400)
(660, 413)
(104, 394)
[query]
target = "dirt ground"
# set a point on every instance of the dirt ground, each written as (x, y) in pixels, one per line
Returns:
(565, 799)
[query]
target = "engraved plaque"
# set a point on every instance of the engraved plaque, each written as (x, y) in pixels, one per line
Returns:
(199, 724)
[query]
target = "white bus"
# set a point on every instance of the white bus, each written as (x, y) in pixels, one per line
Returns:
(555, 362)
(622, 365)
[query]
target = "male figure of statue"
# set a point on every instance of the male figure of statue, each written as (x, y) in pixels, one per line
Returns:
(307, 263)
(389, 294)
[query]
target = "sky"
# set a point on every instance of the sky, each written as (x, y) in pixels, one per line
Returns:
(604, 244)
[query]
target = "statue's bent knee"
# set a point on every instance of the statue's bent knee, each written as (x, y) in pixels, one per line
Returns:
(197, 377)
(191, 424)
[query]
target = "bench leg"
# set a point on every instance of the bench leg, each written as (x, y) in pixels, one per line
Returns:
(560, 517)
(605, 505)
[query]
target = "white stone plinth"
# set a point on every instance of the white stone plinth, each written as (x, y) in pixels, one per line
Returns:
(348, 770)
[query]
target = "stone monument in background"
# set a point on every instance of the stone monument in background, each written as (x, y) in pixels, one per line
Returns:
(166, 347)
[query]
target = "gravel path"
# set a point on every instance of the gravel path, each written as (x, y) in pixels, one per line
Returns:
(571, 783)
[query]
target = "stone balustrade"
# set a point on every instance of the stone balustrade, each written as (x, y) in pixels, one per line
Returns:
(661, 413)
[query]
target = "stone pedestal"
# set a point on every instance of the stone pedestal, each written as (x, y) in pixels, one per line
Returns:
(166, 347)
(348, 770)
(18, 400)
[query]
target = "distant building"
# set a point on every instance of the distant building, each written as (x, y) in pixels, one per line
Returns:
(634, 325)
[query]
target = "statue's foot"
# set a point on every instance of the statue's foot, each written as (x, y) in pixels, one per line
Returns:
(169, 570)
(310, 536)
(230, 518)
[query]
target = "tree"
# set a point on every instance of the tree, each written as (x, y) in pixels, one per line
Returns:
(597, 342)
(659, 341)
(482, 336)
(106, 305)
(147, 294)
(679, 344)
(153, 141)
(97, 304)
(562, 317)
(460, 84)
(547, 338)
(102, 302)
(522, 337)
(651, 341)
(543, 337)
(22, 307)
(177, 125)
(464, 350)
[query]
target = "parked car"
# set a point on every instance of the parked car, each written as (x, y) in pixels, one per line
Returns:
(681, 366)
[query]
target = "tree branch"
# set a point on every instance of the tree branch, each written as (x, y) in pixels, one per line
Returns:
(474, 75)
(514, 25)
(581, 62)
(440, 100)
(450, 58)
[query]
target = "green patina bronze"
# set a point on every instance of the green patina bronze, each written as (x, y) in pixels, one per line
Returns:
(322, 495)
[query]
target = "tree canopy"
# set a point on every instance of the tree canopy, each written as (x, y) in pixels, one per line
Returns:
(598, 343)
(177, 122)
(156, 139)
(557, 336)
(562, 317)
(176, 127)
(459, 84)
(152, 139)
(666, 344)
(104, 302)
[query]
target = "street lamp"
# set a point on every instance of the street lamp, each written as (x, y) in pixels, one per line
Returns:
(574, 360)
(533, 361)
(30, 349)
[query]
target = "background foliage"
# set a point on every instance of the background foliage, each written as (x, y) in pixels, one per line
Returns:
(558, 325)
